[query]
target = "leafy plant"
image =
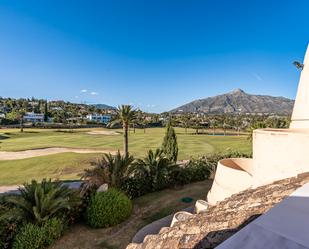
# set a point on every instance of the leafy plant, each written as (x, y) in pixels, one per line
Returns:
(136, 186)
(109, 169)
(108, 208)
(8, 226)
(32, 236)
(154, 167)
(39, 202)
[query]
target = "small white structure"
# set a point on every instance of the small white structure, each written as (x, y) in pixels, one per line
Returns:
(180, 216)
(103, 188)
(99, 118)
(2, 115)
(277, 153)
(200, 206)
(33, 117)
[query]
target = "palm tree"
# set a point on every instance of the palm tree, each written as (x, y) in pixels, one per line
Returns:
(155, 167)
(38, 202)
(213, 124)
(185, 121)
(125, 115)
(110, 169)
(20, 116)
(117, 167)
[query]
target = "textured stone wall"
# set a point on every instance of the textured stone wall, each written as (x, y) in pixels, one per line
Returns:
(209, 229)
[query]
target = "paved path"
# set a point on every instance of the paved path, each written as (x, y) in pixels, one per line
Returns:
(154, 227)
(14, 188)
(14, 155)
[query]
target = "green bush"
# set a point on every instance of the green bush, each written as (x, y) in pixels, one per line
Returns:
(8, 225)
(33, 236)
(136, 186)
(53, 229)
(179, 176)
(108, 209)
(29, 237)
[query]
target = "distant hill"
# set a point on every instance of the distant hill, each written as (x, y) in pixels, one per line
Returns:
(104, 107)
(238, 101)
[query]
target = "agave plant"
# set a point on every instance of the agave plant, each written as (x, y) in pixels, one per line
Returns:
(155, 167)
(39, 202)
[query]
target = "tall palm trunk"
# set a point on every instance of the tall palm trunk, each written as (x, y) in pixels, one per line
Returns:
(21, 125)
(125, 136)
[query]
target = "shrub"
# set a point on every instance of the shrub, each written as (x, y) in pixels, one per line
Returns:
(179, 176)
(136, 186)
(155, 167)
(199, 169)
(8, 225)
(53, 229)
(155, 172)
(30, 236)
(108, 208)
(33, 236)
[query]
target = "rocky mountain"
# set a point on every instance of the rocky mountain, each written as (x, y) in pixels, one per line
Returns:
(104, 107)
(238, 101)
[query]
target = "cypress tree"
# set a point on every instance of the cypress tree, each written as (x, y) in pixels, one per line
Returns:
(45, 112)
(169, 145)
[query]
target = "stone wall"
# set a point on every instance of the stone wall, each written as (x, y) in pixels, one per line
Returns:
(211, 228)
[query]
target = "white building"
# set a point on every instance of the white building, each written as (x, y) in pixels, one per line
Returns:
(33, 117)
(99, 118)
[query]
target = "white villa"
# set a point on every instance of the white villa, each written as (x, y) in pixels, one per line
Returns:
(99, 118)
(33, 117)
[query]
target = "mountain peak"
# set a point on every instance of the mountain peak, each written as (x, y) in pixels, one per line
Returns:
(237, 90)
(236, 100)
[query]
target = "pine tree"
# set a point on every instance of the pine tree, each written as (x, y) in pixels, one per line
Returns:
(169, 145)
(45, 112)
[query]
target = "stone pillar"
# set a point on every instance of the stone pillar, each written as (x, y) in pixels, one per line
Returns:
(300, 116)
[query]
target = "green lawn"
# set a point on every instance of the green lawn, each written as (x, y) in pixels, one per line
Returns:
(69, 165)
(65, 166)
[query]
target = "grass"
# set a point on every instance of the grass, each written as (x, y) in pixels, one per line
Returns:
(65, 166)
(146, 209)
(189, 144)
(69, 165)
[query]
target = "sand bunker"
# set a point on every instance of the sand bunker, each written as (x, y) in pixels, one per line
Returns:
(14, 155)
(109, 133)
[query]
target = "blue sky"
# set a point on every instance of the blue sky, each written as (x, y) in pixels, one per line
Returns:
(155, 54)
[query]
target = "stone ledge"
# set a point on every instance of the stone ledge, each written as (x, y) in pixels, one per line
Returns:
(209, 229)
